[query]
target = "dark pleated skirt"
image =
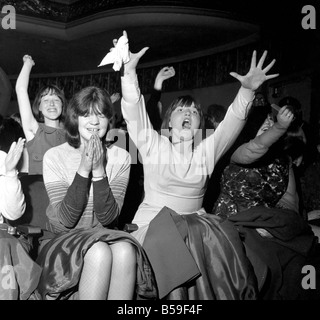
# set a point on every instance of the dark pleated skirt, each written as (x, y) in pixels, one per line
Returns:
(19, 274)
(63, 256)
(214, 266)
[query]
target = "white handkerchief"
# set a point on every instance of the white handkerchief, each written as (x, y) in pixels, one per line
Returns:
(117, 55)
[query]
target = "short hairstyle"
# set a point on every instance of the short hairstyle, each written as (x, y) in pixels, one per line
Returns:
(50, 89)
(10, 131)
(81, 103)
(182, 101)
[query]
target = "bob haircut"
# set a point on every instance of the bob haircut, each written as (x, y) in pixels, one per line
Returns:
(82, 103)
(182, 101)
(10, 131)
(51, 90)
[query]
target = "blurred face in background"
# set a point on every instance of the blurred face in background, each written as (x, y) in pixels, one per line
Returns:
(269, 122)
(259, 100)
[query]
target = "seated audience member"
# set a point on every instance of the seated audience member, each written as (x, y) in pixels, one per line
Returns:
(258, 194)
(19, 273)
(301, 129)
(135, 192)
(43, 122)
(86, 182)
(187, 247)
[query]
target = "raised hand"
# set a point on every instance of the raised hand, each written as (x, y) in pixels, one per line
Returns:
(256, 75)
(115, 97)
(164, 74)
(14, 155)
(284, 117)
(28, 60)
(133, 57)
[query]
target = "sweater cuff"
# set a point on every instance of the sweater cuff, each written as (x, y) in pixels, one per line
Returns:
(101, 185)
(247, 94)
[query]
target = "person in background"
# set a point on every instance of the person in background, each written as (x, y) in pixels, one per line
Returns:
(154, 106)
(19, 275)
(302, 130)
(43, 122)
(215, 114)
(86, 181)
(258, 194)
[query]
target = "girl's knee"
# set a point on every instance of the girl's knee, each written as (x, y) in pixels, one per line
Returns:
(124, 250)
(100, 251)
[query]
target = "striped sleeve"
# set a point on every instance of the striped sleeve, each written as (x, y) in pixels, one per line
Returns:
(74, 202)
(104, 203)
(67, 201)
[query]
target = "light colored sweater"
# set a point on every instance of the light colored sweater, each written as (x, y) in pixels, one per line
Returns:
(60, 165)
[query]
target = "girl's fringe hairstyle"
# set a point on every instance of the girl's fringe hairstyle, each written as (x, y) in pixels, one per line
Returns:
(49, 89)
(80, 104)
(182, 101)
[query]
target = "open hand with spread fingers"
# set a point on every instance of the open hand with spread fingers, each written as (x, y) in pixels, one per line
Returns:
(14, 155)
(257, 74)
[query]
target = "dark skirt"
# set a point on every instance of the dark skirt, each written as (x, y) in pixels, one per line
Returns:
(63, 256)
(202, 254)
(19, 274)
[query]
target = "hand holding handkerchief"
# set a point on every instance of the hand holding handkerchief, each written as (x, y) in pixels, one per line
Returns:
(119, 54)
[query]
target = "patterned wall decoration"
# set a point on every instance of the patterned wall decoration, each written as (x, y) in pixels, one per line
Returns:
(62, 12)
(196, 73)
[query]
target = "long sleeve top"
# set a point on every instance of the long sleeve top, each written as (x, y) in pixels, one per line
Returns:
(12, 200)
(254, 149)
(75, 201)
(169, 178)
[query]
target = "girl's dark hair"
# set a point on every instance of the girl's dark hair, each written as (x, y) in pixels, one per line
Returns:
(182, 101)
(81, 104)
(49, 89)
(10, 131)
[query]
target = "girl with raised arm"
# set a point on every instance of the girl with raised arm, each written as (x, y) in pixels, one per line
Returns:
(41, 122)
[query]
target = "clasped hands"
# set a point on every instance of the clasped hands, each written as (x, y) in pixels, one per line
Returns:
(93, 158)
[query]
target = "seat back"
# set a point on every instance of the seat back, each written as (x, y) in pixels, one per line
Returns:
(37, 202)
